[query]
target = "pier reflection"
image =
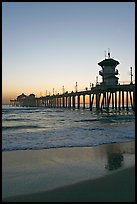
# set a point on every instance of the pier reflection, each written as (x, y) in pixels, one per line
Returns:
(119, 154)
(115, 161)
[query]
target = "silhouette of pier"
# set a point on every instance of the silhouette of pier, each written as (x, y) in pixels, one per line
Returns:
(105, 95)
(119, 96)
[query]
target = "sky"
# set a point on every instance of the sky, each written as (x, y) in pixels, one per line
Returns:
(48, 45)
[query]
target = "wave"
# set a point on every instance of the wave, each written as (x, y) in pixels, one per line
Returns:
(20, 127)
(16, 119)
(110, 119)
(19, 110)
(60, 128)
(37, 147)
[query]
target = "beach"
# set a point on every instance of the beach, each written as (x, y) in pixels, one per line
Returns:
(102, 173)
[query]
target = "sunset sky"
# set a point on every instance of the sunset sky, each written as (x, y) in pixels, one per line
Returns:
(51, 45)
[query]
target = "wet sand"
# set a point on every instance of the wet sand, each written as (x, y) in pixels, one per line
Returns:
(102, 173)
(117, 187)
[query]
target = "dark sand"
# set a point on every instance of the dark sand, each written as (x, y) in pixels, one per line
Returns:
(117, 187)
(105, 173)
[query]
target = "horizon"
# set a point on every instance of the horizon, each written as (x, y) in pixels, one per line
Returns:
(49, 45)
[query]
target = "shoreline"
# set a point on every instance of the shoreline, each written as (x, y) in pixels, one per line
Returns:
(63, 147)
(51, 170)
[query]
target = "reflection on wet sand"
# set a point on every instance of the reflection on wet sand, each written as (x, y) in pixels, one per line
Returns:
(114, 161)
(43, 170)
(116, 154)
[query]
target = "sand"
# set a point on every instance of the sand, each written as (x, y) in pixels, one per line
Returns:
(117, 187)
(102, 173)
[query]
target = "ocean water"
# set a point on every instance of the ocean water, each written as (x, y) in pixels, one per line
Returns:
(26, 128)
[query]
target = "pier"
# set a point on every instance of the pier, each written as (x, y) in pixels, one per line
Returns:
(105, 95)
(117, 97)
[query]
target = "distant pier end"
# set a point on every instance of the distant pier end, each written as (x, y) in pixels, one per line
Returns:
(24, 100)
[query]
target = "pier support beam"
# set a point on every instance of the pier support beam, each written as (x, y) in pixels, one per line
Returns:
(78, 101)
(105, 100)
(63, 101)
(107, 97)
(69, 102)
(115, 100)
(83, 101)
(102, 103)
(123, 100)
(131, 100)
(57, 102)
(46, 103)
(97, 101)
(37, 102)
(60, 102)
(73, 101)
(119, 100)
(112, 100)
(66, 101)
(54, 102)
(134, 100)
(127, 101)
(108, 102)
(92, 102)
(99, 98)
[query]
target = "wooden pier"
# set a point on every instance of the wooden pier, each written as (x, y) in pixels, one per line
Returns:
(108, 94)
(120, 97)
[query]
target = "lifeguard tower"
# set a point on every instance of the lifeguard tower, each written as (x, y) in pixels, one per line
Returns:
(108, 71)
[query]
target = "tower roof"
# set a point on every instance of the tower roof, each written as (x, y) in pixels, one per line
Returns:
(108, 62)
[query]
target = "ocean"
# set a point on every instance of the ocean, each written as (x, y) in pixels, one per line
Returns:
(32, 128)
